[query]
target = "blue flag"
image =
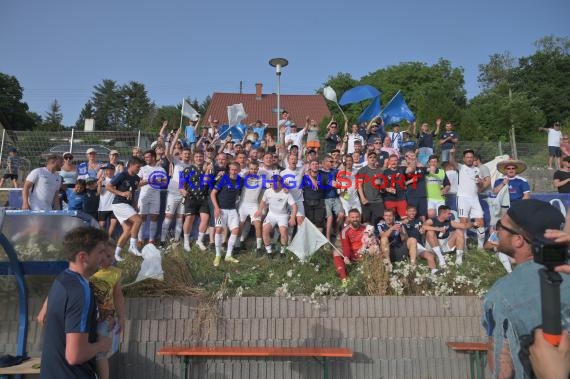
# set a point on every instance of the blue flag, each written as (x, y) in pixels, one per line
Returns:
(237, 132)
(371, 111)
(358, 94)
(397, 110)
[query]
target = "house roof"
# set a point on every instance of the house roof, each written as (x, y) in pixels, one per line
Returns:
(263, 107)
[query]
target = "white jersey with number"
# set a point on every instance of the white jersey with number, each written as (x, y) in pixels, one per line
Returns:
(174, 184)
(467, 186)
(277, 201)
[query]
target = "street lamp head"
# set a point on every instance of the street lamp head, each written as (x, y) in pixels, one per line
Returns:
(278, 63)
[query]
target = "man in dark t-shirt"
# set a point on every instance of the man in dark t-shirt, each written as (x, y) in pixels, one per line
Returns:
(123, 186)
(562, 176)
(70, 333)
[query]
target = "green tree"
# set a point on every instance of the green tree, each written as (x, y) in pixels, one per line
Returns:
(544, 77)
(109, 105)
(137, 105)
(88, 111)
(14, 113)
(497, 72)
(53, 118)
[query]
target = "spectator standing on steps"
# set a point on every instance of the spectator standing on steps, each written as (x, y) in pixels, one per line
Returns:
(554, 137)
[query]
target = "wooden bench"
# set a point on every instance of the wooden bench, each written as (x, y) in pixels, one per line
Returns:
(477, 355)
(321, 355)
(29, 367)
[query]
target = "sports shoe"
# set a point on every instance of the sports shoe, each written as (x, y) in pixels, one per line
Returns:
(187, 247)
(459, 260)
(118, 258)
(217, 261)
(201, 245)
(231, 259)
(133, 250)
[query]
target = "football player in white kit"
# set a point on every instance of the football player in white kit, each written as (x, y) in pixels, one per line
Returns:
(468, 205)
(149, 197)
(249, 203)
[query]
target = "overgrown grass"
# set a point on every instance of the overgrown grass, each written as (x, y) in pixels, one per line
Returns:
(194, 274)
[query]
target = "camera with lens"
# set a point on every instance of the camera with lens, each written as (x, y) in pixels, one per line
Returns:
(550, 255)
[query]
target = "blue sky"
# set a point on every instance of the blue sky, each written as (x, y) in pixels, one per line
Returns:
(61, 49)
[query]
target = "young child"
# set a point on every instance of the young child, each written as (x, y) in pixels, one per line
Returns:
(108, 293)
(76, 196)
(12, 167)
(91, 201)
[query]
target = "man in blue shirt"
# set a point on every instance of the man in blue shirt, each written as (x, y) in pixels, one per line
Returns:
(519, 188)
(70, 334)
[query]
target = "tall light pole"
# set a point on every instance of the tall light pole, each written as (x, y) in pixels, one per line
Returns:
(278, 63)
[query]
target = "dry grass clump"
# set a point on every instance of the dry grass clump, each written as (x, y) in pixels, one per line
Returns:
(177, 279)
(375, 274)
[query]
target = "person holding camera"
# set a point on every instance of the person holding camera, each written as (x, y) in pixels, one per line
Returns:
(512, 307)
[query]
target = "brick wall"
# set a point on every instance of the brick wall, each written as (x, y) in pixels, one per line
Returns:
(392, 337)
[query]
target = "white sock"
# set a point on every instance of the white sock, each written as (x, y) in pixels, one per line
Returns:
(165, 227)
(437, 251)
(504, 258)
(118, 251)
(201, 237)
(433, 270)
(133, 241)
(459, 253)
(186, 238)
(141, 232)
(269, 249)
(218, 242)
(177, 229)
(259, 242)
(480, 237)
(231, 243)
(152, 230)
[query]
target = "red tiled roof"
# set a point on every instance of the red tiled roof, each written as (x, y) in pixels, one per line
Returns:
(298, 106)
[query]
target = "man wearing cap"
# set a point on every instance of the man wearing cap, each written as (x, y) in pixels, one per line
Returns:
(89, 168)
(41, 188)
(114, 157)
(518, 186)
(554, 137)
(512, 307)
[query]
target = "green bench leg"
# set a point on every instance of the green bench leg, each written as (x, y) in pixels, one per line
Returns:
(185, 368)
(476, 365)
(324, 364)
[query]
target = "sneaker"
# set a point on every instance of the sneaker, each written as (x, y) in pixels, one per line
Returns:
(133, 250)
(231, 259)
(201, 245)
(459, 260)
(187, 247)
(217, 261)
(118, 258)
(344, 283)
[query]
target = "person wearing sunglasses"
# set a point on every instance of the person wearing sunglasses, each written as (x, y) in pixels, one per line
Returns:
(518, 187)
(512, 307)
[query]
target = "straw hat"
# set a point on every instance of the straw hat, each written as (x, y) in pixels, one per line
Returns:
(520, 165)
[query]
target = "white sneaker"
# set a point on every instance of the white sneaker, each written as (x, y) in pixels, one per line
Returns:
(459, 260)
(201, 245)
(118, 258)
(133, 250)
(187, 247)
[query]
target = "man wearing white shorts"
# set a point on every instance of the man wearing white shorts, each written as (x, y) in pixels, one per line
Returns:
(248, 204)
(149, 196)
(278, 202)
(437, 185)
(291, 180)
(174, 200)
(443, 235)
(346, 178)
(468, 206)
(224, 196)
(123, 186)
